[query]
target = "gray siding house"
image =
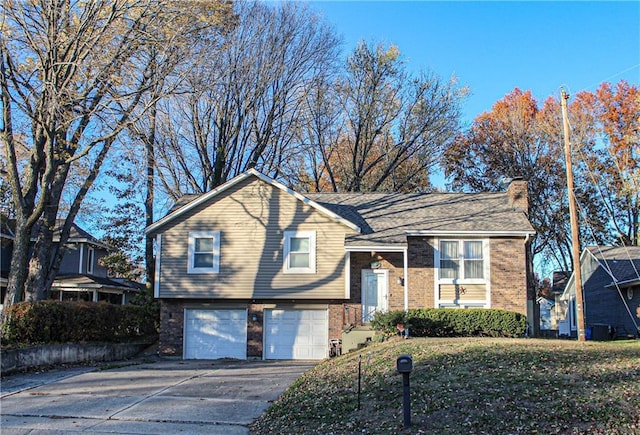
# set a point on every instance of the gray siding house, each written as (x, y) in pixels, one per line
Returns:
(611, 289)
(253, 269)
(81, 276)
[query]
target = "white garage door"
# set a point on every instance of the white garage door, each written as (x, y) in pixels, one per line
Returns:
(212, 334)
(296, 334)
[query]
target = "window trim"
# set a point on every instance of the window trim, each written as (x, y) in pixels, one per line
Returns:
(461, 262)
(193, 235)
(440, 303)
(91, 257)
(288, 235)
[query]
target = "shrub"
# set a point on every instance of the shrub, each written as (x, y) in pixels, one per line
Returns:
(444, 322)
(149, 304)
(46, 322)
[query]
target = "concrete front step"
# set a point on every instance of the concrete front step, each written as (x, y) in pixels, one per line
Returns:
(356, 337)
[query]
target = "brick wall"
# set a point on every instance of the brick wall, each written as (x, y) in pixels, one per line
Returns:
(518, 194)
(255, 330)
(420, 280)
(171, 327)
(421, 272)
(508, 275)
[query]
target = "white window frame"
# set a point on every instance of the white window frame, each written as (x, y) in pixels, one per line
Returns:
(486, 280)
(461, 260)
(193, 236)
(91, 258)
(288, 235)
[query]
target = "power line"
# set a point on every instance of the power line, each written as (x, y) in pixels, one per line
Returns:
(610, 77)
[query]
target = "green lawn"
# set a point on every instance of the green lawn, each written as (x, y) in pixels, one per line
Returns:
(469, 385)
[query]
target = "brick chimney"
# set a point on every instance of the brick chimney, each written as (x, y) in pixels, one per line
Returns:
(518, 194)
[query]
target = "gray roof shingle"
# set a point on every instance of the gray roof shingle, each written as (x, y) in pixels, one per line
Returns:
(622, 262)
(386, 218)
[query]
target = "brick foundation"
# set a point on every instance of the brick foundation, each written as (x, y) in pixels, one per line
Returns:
(171, 327)
(254, 330)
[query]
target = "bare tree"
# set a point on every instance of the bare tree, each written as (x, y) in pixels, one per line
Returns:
(392, 126)
(73, 76)
(320, 127)
(240, 103)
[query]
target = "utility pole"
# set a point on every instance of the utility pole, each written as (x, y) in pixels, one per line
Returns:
(573, 215)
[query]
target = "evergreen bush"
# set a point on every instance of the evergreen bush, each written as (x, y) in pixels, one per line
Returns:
(445, 322)
(49, 322)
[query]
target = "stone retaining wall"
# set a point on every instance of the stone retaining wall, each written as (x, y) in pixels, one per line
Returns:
(71, 353)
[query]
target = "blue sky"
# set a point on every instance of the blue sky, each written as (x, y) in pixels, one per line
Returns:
(493, 47)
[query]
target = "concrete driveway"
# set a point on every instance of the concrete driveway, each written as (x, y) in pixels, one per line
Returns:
(160, 397)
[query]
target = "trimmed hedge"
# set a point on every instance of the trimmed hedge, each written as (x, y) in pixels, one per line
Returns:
(48, 322)
(445, 322)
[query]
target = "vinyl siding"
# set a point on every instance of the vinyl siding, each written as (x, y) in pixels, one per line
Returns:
(71, 260)
(605, 305)
(6, 250)
(252, 217)
(463, 292)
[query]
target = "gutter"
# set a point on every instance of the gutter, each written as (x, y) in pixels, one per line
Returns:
(526, 234)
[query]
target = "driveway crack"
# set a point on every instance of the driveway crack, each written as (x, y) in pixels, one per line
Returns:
(157, 393)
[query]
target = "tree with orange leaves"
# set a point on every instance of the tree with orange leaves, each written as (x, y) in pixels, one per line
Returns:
(614, 162)
(520, 138)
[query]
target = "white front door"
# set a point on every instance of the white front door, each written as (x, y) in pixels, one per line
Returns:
(375, 283)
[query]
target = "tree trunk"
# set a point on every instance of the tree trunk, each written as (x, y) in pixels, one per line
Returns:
(19, 263)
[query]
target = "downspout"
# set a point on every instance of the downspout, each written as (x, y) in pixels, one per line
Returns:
(156, 278)
(405, 255)
(532, 307)
(406, 278)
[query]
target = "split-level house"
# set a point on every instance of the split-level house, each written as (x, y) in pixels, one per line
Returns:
(80, 276)
(253, 269)
(611, 293)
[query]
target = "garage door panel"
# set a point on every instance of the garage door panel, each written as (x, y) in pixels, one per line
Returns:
(212, 334)
(296, 334)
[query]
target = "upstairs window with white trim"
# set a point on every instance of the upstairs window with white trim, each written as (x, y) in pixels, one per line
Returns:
(299, 252)
(204, 252)
(462, 260)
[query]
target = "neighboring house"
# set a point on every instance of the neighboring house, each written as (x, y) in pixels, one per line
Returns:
(253, 269)
(6, 242)
(611, 292)
(80, 277)
(549, 307)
